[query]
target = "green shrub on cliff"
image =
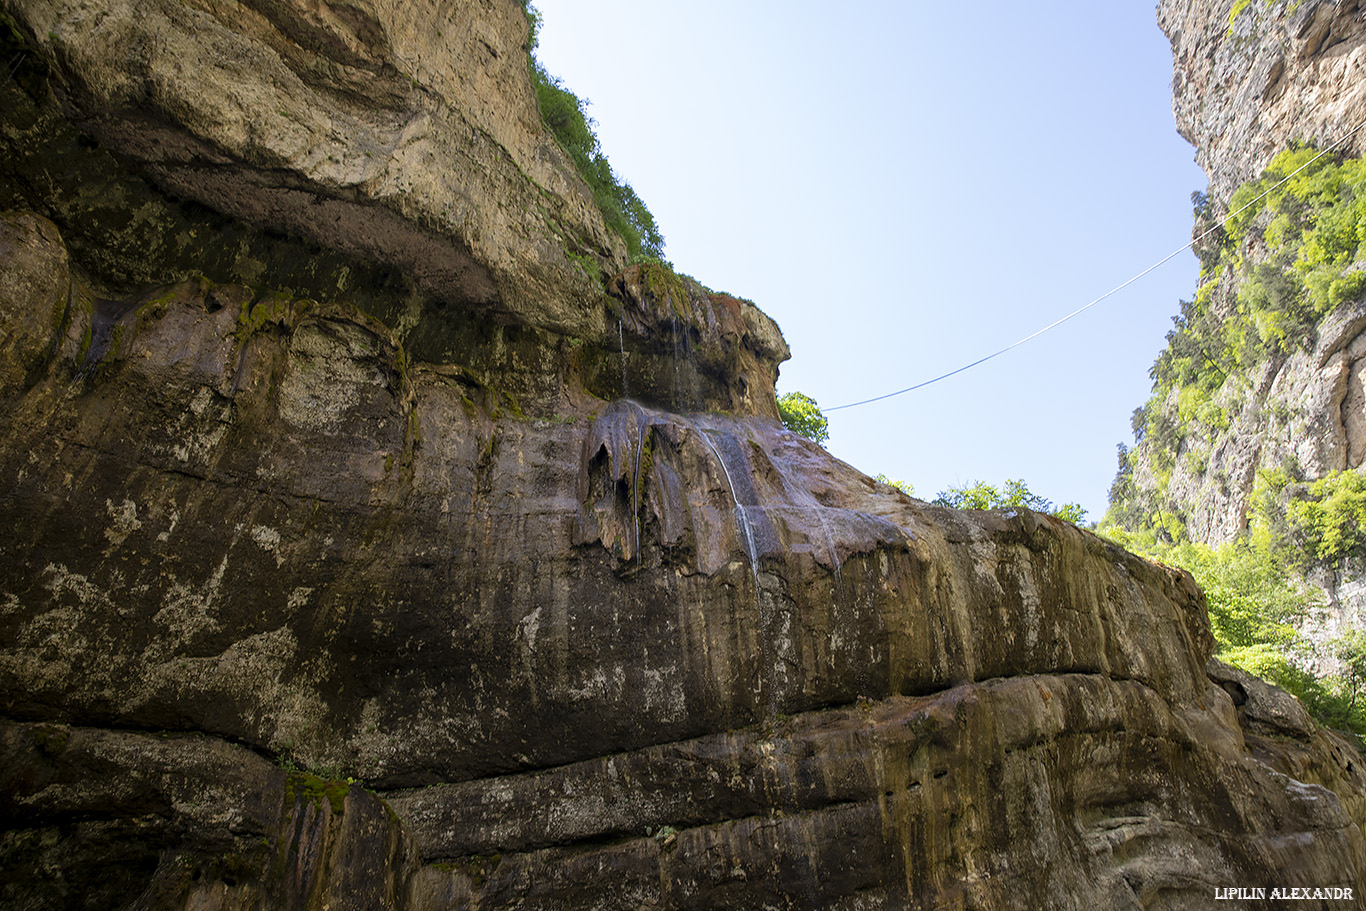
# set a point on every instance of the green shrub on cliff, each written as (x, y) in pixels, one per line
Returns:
(566, 116)
(1255, 604)
(1253, 600)
(1330, 519)
(1313, 227)
(905, 487)
(1014, 493)
(1269, 275)
(801, 414)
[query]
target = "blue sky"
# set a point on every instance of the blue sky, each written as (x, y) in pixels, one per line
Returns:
(906, 187)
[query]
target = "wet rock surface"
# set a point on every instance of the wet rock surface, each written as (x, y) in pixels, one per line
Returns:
(609, 656)
(361, 551)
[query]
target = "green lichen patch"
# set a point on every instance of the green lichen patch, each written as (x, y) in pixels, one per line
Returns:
(589, 265)
(272, 308)
(665, 285)
(50, 739)
(315, 789)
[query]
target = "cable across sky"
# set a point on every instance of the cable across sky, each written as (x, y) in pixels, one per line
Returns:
(1058, 322)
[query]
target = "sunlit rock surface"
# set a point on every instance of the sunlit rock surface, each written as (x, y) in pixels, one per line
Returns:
(583, 624)
(1250, 78)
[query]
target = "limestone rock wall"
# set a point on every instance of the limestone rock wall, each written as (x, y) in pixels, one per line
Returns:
(609, 657)
(1251, 76)
(1250, 79)
(364, 555)
(1304, 408)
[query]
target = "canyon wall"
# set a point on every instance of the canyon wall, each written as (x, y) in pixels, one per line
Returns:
(1283, 383)
(376, 537)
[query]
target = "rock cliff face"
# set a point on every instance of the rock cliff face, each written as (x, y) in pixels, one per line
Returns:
(1250, 80)
(1251, 76)
(390, 560)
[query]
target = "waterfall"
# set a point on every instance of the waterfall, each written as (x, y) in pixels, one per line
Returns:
(636, 479)
(752, 553)
(830, 545)
(678, 386)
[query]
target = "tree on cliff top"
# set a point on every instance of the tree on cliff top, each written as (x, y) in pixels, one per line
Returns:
(801, 414)
(1014, 493)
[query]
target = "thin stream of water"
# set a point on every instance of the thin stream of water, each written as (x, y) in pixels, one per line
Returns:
(752, 552)
(830, 545)
(678, 384)
(636, 479)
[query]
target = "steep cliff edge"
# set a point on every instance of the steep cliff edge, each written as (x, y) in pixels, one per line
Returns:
(1261, 392)
(1250, 76)
(301, 608)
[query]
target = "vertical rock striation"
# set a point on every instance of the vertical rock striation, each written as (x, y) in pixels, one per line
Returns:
(1251, 76)
(331, 579)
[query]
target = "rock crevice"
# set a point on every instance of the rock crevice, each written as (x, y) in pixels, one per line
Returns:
(531, 556)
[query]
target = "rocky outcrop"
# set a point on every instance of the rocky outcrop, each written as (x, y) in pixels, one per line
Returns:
(1252, 76)
(356, 151)
(1250, 80)
(411, 141)
(400, 597)
(689, 649)
(1303, 408)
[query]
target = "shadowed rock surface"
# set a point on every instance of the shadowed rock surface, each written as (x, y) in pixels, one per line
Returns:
(584, 649)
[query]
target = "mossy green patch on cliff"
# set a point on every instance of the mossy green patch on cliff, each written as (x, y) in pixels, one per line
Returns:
(664, 284)
(588, 264)
(476, 867)
(1236, 11)
(315, 789)
(271, 308)
(50, 739)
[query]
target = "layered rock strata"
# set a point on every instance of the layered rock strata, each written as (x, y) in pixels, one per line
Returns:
(607, 657)
(326, 589)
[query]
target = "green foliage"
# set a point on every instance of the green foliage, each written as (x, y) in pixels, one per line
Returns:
(1314, 228)
(1255, 604)
(316, 788)
(566, 116)
(1330, 519)
(905, 487)
(1268, 277)
(1014, 493)
(801, 414)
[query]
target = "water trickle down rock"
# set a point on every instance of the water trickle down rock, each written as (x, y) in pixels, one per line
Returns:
(529, 627)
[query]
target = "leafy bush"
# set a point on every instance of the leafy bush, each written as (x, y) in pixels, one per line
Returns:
(566, 116)
(801, 414)
(1331, 518)
(905, 487)
(1014, 493)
